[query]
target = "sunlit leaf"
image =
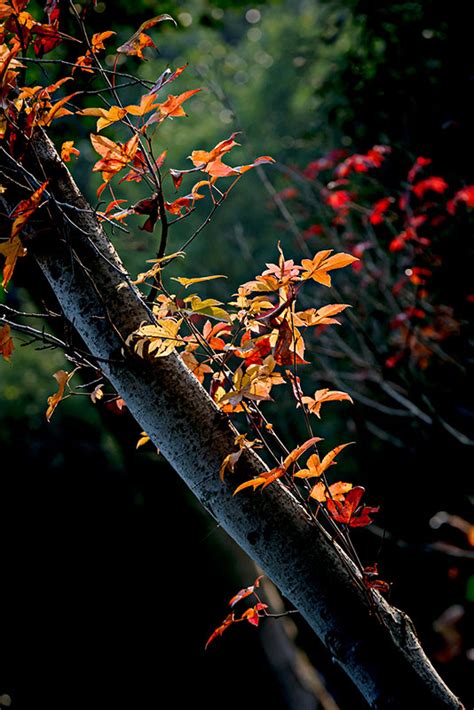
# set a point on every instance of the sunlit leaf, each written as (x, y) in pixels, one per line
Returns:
(62, 378)
(199, 279)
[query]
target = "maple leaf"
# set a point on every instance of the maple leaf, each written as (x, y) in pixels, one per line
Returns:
(325, 395)
(6, 342)
(349, 512)
(228, 621)
(317, 268)
(67, 149)
(62, 378)
(244, 593)
(315, 467)
(134, 46)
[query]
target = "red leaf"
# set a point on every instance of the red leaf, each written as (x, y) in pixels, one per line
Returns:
(348, 511)
(228, 621)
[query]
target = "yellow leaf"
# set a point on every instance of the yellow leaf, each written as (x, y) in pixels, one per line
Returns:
(144, 439)
(189, 282)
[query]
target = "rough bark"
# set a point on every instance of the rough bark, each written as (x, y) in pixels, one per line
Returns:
(373, 642)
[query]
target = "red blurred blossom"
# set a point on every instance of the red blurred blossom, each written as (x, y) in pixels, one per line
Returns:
(358, 251)
(315, 230)
(433, 183)
(288, 193)
(393, 360)
(378, 210)
(417, 166)
(398, 242)
(362, 163)
(465, 195)
(338, 200)
(325, 163)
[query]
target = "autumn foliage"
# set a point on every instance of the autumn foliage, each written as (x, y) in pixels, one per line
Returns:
(253, 345)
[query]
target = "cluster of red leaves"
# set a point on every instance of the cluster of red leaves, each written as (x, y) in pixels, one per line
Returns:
(404, 224)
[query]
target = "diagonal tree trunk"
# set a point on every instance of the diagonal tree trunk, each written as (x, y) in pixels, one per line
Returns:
(373, 642)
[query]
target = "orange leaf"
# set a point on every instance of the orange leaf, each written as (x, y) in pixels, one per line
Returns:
(228, 621)
(201, 158)
(296, 453)
(171, 108)
(98, 40)
(264, 480)
(251, 615)
(56, 111)
(67, 149)
(6, 342)
(11, 250)
(315, 467)
(337, 491)
(115, 156)
(138, 41)
(62, 378)
(325, 395)
(146, 105)
(319, 316)
(25, 209)
(106, 118)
